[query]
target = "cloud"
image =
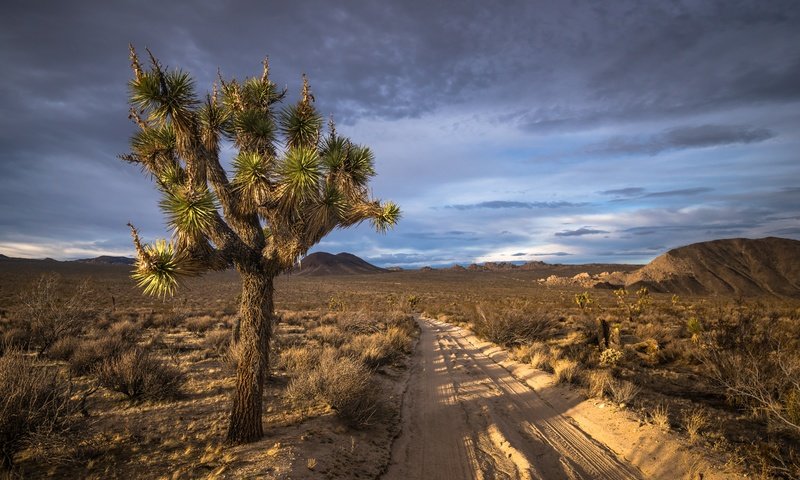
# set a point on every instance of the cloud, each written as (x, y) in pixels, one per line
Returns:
(624, 192)
(682, 138)
(499, 204)
(580, 232)
(682, 192)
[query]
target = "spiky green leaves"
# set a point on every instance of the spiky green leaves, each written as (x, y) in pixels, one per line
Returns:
(189, 213)
(299, 177)
(163, 95)
(251, 180)
(254, 130)
(301, 125)
(387, 217)
(160, 267)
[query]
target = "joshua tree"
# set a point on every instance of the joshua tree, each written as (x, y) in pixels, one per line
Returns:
(291, 185)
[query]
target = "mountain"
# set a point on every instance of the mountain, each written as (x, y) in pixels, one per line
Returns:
(736, 266)
(108, 260)
(322, 263)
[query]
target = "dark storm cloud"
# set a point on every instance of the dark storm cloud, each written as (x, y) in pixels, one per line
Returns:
(580, 232)
(682, 138)
(499, 204)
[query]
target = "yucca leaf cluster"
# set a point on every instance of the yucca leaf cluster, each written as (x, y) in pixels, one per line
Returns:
(292, 181)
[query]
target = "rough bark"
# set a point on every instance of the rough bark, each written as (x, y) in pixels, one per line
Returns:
(255, 314)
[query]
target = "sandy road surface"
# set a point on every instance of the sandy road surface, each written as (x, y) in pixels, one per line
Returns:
(466, 417)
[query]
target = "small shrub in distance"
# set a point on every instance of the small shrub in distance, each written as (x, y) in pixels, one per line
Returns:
(34, 399)
(611, 357)
(695, 420)
(63, 348)
(49, 315)
(140, 376)
(512, 327)
(90, 353)
(660, 417)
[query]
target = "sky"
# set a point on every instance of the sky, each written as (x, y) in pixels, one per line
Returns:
(567, 132)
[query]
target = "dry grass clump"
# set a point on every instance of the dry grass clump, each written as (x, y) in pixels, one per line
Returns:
(201, 323)
(17, 338)
(140, 376)
(343, 383)
(541, 357)
(509, 327)
(63, 348)
(598, 383)
(381, 348)
(217, 342)
(660, 417)
(328, 335)
(299, 359)
(695, 420)
(90, 353)
(33, 400)
(623, 391)
(566, 371)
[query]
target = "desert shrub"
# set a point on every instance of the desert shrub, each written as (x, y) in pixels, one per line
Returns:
(598, 383)
(49, 314)
(328, 335)
(623, 391)
(343, 383)
(541, 357)
(140, 376)
(660, 417)
(34, 399)
(16, 338)
(126, 329)
(358, 324)
(511, 327)
(90, 353)
(695, 420)
(217, 341)
(63, 348)
(566, 371)
(200, 324)
(297, 359)
(756, 361)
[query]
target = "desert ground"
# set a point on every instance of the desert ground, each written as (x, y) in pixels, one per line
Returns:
(412, 374)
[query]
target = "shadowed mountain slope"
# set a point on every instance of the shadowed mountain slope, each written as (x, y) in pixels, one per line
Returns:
(322, 263)
(737, 266)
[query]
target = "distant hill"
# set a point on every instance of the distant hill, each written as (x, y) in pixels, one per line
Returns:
(108, 260)
(737, 266)
(322, 263)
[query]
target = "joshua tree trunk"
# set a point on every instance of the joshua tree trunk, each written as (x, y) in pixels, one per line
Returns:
(255, 315)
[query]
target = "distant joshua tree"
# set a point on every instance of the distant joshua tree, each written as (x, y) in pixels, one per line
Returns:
(290, 187)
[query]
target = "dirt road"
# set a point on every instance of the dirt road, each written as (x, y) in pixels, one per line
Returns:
(467, 417)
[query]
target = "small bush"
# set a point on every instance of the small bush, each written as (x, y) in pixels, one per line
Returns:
(342, 382)
(200, 324)
(33, 399)
(90, 353)
(50, 315)
(328, 335)
(16, 338)
(140, 376)
(512, 327)
(217, 341)
(695, 420)
(63, 348)
(566, 371)
(623, 391)
(599, 383)
(298, 359)
(379, 349)
(660, 417)
(541, 357)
